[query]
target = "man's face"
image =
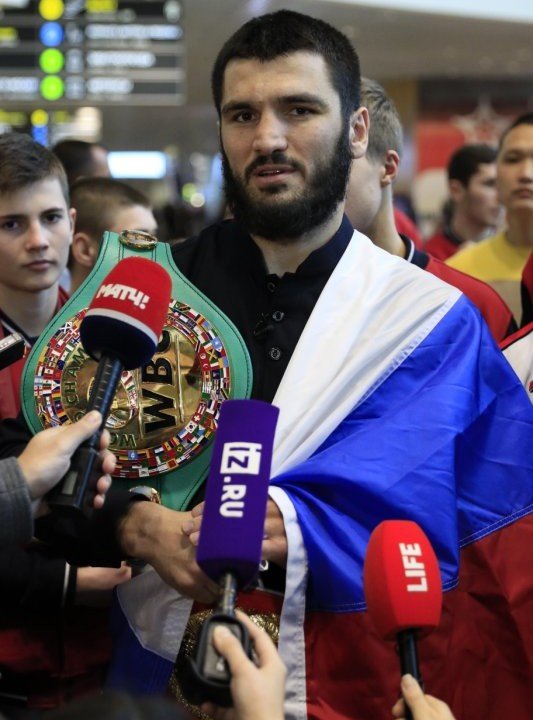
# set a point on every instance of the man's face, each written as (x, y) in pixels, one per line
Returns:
(363, 199)
(480, 198)
(285, 150)
(134, 217)
(515, 170)
(35, 235)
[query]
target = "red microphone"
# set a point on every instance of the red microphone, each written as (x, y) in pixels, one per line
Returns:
(403, 588)
(121, 330)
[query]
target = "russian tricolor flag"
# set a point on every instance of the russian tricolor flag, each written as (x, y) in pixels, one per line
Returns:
(396, 405)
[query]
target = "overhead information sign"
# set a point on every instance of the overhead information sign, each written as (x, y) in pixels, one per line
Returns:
(92, 52)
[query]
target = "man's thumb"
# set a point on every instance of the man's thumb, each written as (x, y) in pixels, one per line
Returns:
(79, 431)
(412, 692)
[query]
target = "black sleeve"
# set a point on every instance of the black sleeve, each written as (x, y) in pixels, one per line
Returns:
(84, 542)
(14, 436)
(33, 579)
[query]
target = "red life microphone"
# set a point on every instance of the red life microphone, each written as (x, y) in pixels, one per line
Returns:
(403, 588)
(121, 330)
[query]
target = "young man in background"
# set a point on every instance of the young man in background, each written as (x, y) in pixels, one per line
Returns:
(103, 204)
(499, 260)
(369, 205)
(36, 225)
(475, 210)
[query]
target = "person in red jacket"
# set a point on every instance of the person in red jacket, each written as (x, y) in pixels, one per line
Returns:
(49, 649)
(474, 207)
(370, 208)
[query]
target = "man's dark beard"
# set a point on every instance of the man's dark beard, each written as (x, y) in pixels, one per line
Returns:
(291, 218)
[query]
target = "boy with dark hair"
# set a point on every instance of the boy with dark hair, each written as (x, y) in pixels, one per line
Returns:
(474, 209)
(103, 204)
(36, 227)
(369, 205)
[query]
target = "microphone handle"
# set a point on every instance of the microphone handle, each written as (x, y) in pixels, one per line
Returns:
(408, 652)
(228, 594)
(74, 494)
(207, 676)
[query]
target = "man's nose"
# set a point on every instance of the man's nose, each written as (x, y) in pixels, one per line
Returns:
(526, 169)
(270, 134)
(36, 236)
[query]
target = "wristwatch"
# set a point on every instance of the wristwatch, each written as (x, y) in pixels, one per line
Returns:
(145, 492)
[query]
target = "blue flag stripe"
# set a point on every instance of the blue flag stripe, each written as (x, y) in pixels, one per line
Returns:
(441, 442)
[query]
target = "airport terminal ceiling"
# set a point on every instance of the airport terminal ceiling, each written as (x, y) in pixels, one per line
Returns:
(395, 46)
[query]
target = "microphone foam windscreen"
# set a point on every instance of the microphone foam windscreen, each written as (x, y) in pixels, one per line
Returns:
(403, 587)
(128, 312)
(237, 490)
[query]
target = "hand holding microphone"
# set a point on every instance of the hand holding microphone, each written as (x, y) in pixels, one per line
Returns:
(402, 588)
(229, 549)
(258, 690)
(121, 330)
(275, 546)
(422, 707)
(47, 456)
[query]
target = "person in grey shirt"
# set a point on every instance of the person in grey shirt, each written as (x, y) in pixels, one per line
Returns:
(26, 479)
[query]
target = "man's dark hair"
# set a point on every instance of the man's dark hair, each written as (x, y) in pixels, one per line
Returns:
(23, 162)
(97, 199)
(465, 162)
(524, 119)
(282, 33)
(76, 157)
(385, 131)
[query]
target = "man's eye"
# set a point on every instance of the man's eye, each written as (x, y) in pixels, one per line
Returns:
(243, 116)
(53, 217)
(300, 111)
(9, 225)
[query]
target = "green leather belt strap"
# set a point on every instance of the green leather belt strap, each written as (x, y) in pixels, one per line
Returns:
(164, 416)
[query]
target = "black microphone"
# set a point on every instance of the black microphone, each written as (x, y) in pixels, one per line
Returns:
(121, 330)
(229, 551)
(11, 349)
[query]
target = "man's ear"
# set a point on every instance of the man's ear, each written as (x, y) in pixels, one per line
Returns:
(84, 249)
(457, 190)
(358, 137)
(391, 163)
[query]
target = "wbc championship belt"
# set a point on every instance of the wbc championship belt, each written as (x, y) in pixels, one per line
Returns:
(164, 414)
